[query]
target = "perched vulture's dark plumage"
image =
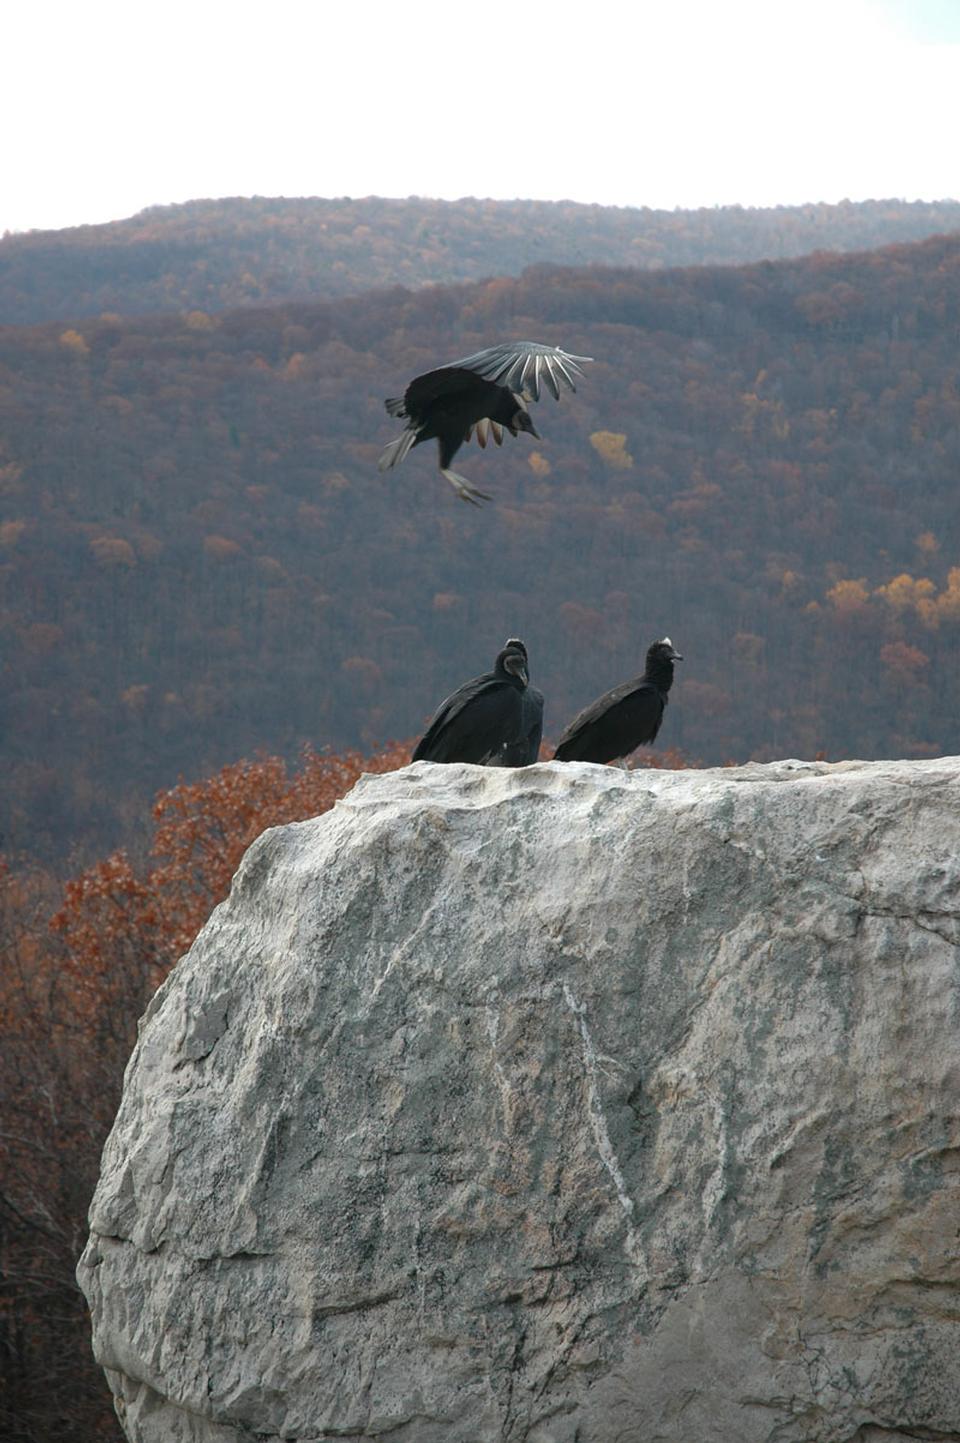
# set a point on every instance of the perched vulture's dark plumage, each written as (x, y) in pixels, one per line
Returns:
(488, 391)
(481, 716)
(525, 749)
(625, 718)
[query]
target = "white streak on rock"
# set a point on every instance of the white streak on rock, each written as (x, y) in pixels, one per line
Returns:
(492, 1021)
(598, 1125)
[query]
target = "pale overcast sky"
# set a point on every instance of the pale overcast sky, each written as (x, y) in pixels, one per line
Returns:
(108, 106)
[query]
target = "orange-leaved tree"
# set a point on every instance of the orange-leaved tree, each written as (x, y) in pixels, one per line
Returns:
(115, 919)
(71, 990)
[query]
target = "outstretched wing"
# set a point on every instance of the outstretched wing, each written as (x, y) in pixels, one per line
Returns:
(520, 366)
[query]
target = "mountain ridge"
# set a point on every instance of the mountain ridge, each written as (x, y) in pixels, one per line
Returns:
(217, 255)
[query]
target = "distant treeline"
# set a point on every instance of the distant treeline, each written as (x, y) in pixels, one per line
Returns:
(199, 559)
(217, 255)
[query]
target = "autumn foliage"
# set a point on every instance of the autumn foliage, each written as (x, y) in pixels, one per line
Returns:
(198, 557)
(75, 974)
(113, 914)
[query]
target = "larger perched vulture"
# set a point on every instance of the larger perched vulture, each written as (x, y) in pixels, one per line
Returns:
(480, 716)
(524, 750)
(625, 718)
(488, 392)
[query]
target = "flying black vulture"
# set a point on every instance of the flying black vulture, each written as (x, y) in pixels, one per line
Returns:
(488, 391)
(524, 750)
(480, 716)
(626, 717)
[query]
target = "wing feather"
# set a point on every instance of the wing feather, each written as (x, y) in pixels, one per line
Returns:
(479, 714)
(394, 451)
(512, 363)
(628, 716)
(551, 375)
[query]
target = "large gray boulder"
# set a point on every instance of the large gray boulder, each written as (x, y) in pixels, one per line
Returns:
(561, 1105)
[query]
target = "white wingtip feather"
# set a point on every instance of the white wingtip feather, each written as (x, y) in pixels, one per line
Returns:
(394, 452)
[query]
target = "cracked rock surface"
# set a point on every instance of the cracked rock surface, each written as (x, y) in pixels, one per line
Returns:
(561, 1105)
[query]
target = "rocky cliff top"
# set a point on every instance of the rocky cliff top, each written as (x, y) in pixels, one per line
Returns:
(560, 1105)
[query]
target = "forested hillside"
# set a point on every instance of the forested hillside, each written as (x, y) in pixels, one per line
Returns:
(198, 557)
(203, 575)
(216, 255)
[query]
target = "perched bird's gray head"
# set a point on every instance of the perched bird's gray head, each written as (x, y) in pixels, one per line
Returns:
(513, 643)
(513, 661)
(662, 651)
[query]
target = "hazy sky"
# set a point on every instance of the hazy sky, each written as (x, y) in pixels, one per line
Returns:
(108, 106)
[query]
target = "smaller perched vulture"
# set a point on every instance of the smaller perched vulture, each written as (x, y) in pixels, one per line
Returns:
(488, 391)
(525, 750)
(625, 718)
(481, 716)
